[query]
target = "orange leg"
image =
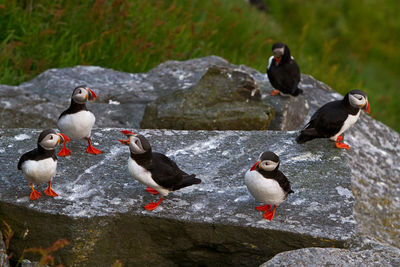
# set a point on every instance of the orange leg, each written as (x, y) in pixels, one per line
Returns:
(263, 207)
(64, 151)
(35, 194)
(339, 144)
(275, 92)
(91, 150)
(153, 205)
(152, 191)
(50, 192)
(269, 215)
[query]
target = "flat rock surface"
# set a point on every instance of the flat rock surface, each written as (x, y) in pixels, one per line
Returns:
(92, 187)
(122, 97)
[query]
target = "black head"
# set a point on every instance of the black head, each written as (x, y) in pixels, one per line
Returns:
(50, 139)
(281, 52)
(138, 144)
(357, 99)
(268, 161)
(82, 94)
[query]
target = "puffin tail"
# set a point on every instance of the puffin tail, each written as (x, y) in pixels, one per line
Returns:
(306, 135)
(187, 181)
(297, 92)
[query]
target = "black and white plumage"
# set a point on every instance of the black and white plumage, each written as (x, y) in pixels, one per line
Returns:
(77, 121)
(153, 169)
(334, 118)
(283, 71)
(39, 165)
(267, 184)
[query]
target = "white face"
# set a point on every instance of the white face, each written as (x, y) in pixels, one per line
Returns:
(80, 95)
(357, 100)
(50, 141)
(268, 165)
(135, 145)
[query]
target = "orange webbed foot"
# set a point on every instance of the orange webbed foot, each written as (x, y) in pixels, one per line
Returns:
(152, 191)
(64, 151)
(339, 144)
(263, 207)
(50, 192)
(153, 205)
(269, 215)
(34, 194)
(275, 92)
(91, 150)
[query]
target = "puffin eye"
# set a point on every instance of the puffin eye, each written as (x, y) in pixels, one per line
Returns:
(51, 137)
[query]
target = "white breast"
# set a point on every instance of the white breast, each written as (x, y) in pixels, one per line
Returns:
(78, 125)
(270, 61)
(39, 171)
(144, 176)
(351, 119)
(267, 191)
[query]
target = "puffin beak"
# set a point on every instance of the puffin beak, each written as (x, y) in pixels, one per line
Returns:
(64, 138)
(91, 96)
(277, 59)
(255, 165)
(366, 108)
(127, 133)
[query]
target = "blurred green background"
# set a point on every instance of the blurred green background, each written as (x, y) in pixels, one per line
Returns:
(346, 44)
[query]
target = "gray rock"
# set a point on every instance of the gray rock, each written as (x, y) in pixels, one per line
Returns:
(122, 97)
(100, 206)
(223, 99)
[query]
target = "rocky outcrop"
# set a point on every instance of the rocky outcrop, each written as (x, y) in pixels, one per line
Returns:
(223, 99)
(122, 97)
(214, 222)
(3, 256)
(355, 196)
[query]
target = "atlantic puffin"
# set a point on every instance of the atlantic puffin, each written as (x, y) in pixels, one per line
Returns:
(77, 122)
(283, 71)
(39, 165)
(267, 184)
(334, 118)
(155, 170)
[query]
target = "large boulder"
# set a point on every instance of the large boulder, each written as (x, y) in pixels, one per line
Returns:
(122, 97)
(223, 99)
(100, 207)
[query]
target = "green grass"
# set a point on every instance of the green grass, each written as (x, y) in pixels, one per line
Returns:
(346, 44)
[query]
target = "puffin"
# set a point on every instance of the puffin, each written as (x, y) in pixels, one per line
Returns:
(334, 118)
(39, 165)
(155, 170)
(283, 71)
(267, 184)
(76, 121)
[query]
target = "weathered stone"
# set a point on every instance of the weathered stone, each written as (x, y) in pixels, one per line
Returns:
(122, 97)
(100, 207)
(223, 99)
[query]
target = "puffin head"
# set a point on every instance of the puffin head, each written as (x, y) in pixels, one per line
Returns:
(358, 99)
(50, 139)
(138, 144)
(281, 52)
(82, 94)
(268, 161)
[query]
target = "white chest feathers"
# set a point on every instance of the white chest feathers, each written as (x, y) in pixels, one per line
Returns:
(78, 125)
(351, 119)
(267, 191)
(40, 171)
(144, 176)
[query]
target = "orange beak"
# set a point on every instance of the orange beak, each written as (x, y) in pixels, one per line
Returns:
(64, 137)
(92, 96)
(255, 165)
(127, 133)
(367, 108)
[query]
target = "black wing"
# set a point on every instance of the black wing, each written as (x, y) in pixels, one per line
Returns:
(165, 172)
(283, 182)
(28, 155)
(284, 77)
(329, 119)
